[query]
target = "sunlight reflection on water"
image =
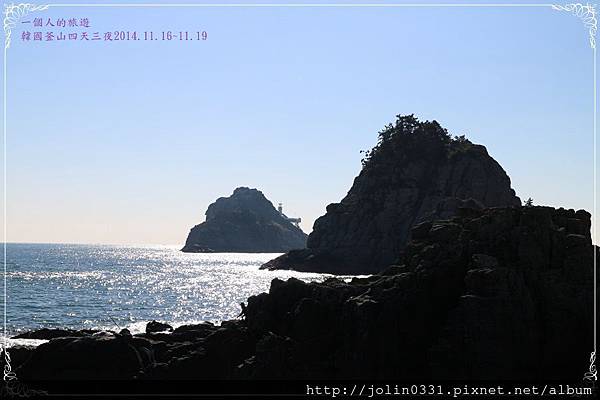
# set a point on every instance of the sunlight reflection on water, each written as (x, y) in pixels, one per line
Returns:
(83, 286)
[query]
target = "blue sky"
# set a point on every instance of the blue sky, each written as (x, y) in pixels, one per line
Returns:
(128, 142)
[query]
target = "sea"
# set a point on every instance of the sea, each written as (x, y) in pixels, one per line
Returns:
(113, 287)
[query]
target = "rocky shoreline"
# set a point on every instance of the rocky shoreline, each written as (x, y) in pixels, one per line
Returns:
(464, 284)
(496, 293)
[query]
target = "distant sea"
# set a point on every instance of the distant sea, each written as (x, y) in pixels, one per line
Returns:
(113, 287)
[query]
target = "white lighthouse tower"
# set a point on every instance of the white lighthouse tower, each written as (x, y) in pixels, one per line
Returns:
(295, 221)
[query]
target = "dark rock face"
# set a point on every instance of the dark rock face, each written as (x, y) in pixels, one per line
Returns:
(416, 173)
(245, 222)
(526, 286)
(502, 293)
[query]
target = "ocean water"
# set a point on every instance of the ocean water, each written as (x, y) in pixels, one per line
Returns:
(113, 287)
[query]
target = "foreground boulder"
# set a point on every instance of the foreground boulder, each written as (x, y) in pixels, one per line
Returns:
(105, 356)
(416, 173)
(501, 293)
(245, 222)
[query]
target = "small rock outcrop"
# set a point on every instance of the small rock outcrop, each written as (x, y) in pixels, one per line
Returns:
(417, 172)
(52, 333)
(493, 294)
(245, 222)
(155, 326)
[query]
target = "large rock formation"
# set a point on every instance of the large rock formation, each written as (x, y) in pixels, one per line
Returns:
(497, 294)
(417, 172)
(245, 222)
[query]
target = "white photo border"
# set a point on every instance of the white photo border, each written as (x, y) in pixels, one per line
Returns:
(14, 12)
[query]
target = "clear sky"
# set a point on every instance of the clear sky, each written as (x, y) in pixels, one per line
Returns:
(130, 141)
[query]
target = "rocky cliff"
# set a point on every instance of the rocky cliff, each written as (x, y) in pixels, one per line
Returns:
(501, 293)
(416, 172)
(245, 222)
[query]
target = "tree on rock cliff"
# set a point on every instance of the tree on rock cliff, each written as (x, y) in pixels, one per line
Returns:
(409, 139)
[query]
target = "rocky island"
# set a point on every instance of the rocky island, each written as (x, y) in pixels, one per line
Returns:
(417, 172)
(245, 222)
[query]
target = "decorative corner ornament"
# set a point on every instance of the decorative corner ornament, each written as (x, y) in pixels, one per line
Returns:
(592, 374)
(586, 13)
(9, 375)
(12, 387)
(13, 14)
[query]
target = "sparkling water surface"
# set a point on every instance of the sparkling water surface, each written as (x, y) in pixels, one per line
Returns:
(112, 287)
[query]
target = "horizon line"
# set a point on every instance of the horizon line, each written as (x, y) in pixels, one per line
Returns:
(94, 244)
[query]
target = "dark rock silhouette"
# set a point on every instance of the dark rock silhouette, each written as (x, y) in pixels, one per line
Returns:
(47, 334)
(155, 326)
(500, 293)
(416, 173)
(245, 222)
